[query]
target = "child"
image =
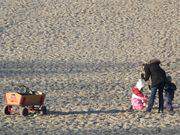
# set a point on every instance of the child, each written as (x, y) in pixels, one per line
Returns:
(169, 93)
(138, 100)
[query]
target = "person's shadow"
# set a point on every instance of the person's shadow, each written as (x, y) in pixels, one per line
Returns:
(113, 111)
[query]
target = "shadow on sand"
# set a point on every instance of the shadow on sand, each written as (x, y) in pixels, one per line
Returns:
(89, 112)
(113, 111)
(37, 67)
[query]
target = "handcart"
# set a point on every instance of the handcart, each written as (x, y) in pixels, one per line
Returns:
(24, 103)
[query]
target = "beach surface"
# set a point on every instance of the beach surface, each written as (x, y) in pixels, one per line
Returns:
(85, 55)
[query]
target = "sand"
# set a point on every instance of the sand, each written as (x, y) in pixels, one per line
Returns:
(85, 55)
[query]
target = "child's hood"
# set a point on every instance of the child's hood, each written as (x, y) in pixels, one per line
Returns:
(140, 84)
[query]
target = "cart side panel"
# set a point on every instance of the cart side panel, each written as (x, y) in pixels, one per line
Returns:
(32, 99)
(13, 98)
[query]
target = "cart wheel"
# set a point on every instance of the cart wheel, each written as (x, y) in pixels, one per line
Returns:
(24, 111)
(7, 109)
(43, 110)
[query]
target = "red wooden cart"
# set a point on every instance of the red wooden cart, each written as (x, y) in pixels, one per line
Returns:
(24, 103)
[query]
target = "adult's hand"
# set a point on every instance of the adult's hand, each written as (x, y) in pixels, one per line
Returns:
(142, 76)
(149, 86)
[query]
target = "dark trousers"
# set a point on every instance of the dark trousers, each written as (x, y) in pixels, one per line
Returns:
(159, 87)
(169, 98)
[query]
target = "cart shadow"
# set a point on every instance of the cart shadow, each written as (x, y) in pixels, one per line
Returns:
(113, 111)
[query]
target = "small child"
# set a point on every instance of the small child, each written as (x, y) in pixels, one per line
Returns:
(138, 99)
(169, 88)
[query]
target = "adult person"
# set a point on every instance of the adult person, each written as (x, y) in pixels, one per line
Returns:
(158, 78)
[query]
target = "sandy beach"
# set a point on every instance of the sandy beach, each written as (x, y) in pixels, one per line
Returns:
(86, 55)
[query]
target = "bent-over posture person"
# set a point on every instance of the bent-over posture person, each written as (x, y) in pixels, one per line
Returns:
(158, 77)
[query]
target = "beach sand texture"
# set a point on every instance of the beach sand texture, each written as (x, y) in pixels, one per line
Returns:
(85, 55)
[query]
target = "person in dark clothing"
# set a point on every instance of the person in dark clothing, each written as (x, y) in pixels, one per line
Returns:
(158, 78)
(169, 88)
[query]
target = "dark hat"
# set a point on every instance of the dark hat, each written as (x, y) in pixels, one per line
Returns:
(154, 61)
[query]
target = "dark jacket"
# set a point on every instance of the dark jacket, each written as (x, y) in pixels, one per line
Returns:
(170, 89)
(156, 73)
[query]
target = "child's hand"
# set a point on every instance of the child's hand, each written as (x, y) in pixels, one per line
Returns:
(145, 99)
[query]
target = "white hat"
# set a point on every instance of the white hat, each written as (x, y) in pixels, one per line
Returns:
(140, 84)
